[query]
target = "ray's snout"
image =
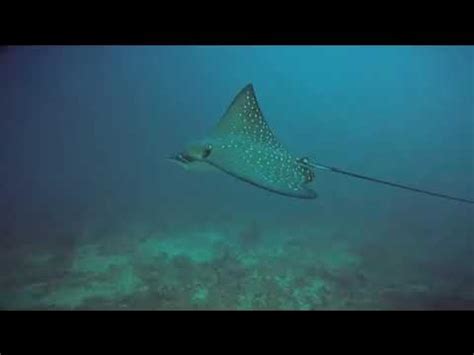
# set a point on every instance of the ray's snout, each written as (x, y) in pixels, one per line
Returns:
(180, 158)
(194, 152)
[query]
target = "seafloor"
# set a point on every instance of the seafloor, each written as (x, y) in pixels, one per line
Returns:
(231, 265)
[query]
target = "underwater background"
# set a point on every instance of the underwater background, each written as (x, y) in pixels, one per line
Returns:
(93, 215)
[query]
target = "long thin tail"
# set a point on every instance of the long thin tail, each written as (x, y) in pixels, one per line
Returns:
(340, 171)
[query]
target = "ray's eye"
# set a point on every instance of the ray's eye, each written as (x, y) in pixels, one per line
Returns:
(207, 151)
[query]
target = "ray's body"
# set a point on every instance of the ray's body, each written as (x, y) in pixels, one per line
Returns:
(243, 145)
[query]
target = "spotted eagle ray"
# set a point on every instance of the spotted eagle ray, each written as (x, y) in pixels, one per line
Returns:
(243, 146)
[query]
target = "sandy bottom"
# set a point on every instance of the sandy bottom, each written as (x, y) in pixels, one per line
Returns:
(212, 268)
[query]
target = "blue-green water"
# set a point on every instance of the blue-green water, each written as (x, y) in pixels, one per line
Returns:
(93, 216)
